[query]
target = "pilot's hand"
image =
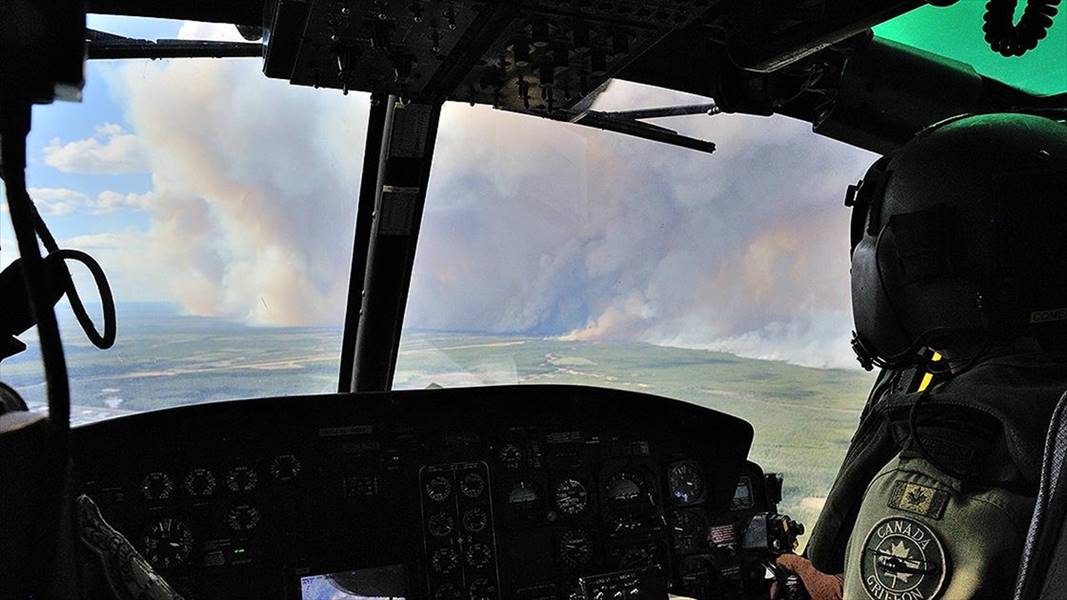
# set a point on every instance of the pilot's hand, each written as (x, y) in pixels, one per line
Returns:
(819, 585)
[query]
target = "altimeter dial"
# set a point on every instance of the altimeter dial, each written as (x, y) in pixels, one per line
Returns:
(571, 496)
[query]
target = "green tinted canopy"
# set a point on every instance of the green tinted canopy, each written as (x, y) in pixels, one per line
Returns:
(956, 32)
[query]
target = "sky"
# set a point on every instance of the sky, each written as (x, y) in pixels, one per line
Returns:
(202, 183)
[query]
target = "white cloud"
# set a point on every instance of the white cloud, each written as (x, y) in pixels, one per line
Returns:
(107, 201)
(112, 151)
(195, 30)
(56, 202)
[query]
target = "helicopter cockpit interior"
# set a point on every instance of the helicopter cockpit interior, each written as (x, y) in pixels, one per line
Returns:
(526, 492)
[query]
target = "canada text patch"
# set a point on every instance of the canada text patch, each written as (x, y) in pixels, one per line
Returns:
(919, 499)
(902, 560)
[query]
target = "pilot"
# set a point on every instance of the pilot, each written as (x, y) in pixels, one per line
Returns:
(959, 244)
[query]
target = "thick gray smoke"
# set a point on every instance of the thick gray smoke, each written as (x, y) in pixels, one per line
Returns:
(546, 228)
(530, 226)
(255, 186)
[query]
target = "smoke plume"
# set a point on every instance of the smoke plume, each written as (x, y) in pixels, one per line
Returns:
(530, 226)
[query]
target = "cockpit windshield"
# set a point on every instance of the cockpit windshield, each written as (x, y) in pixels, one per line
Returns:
(553, 254)
(221, 205)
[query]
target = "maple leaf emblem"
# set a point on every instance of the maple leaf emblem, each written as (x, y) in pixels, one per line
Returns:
(916, 497)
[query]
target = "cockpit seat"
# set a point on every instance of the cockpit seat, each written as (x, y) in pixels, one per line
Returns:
(23, 472)
(110, 568)
(1043, 572)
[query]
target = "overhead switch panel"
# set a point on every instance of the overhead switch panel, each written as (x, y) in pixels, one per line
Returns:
(536, 56)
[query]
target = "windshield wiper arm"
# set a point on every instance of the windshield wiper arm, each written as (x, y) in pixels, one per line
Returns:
(104, 45)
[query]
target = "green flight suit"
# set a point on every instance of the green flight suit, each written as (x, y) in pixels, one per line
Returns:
(918, 535)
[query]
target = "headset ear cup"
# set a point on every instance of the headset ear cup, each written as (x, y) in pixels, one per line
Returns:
(877, 322)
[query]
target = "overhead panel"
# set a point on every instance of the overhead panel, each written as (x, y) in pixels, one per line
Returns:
(535, 56)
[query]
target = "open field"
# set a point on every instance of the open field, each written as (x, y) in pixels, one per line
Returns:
(803, 417)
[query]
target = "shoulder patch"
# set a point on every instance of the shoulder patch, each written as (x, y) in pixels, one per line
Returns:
(919, 499)
(902, 559)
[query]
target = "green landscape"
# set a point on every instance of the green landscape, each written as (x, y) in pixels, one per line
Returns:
(803, 417)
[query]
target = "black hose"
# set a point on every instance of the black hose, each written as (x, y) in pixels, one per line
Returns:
(14, 127)
(101, 340)
(1009, 39)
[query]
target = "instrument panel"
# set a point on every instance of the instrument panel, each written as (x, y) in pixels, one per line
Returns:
(525, 492)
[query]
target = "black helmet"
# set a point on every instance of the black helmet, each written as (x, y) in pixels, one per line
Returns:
(961, 234)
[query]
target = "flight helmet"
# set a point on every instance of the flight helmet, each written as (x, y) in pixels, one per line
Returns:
(961, 234)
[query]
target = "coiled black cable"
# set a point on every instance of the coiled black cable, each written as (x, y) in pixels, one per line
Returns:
(1009, 39)
(103, 340)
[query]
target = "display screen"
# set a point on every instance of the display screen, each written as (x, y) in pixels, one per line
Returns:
(742, 495)
(378, 583)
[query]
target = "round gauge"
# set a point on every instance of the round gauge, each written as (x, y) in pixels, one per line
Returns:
(444, 560)
(575, 547)
(168, 543)
(200, 483)
(475, 520)
(156, 486)
(242, 517)
(241, 479)
(448, 591)
(479, 555)
(686, 483)
(623, 488)
(438, 488)
(472, 485)
(571, 496)
(689, 530)
(510, 456)
(440, 524)
(523, 494)
(482, 589)
(284, 467)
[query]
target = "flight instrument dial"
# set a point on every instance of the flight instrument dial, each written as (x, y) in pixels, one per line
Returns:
(168, 543)
(571, 496)
(156, 486)
(242, 479)
(686, 482)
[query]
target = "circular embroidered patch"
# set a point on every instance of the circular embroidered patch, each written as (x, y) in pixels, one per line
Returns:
(902, 559)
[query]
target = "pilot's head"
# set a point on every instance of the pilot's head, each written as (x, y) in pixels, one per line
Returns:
(959, 241)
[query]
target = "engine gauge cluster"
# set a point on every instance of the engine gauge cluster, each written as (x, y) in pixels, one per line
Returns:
(458, 535)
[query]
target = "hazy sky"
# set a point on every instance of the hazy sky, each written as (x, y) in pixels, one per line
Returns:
(203, 183)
